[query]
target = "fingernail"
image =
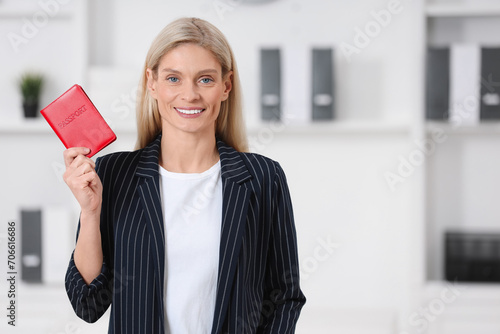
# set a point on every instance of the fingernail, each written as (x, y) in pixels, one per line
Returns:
(87, 150)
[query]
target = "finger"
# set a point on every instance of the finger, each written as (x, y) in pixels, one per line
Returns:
(95, 182)
(80, 160)
(88, 179)
(82, 181)
(83, 169)
(80, 165)
(71, 153)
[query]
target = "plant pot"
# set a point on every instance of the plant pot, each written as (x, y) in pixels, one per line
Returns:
(30, 109)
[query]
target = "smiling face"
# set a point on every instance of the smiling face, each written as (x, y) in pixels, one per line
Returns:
(189, 89)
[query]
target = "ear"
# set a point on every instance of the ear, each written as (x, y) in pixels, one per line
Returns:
(151, 83)
(228, 85)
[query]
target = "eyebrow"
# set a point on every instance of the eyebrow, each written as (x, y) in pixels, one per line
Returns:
(207, 71)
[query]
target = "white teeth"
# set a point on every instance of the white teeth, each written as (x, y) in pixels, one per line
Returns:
(189, 112)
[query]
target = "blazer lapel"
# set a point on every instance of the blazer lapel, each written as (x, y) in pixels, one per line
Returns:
(150, 197)
(235, 200)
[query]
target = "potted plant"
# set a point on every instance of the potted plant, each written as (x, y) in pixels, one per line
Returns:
(31, 86)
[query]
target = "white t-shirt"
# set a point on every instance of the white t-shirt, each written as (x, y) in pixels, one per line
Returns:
(192, 212)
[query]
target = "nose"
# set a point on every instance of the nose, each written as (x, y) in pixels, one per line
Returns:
(190, 92)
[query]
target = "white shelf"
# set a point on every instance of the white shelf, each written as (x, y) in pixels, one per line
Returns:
(474, 290)
(462, 10)
(24, 126)
(484, 128)
(333, 127)
(39, 126)
(18, 13)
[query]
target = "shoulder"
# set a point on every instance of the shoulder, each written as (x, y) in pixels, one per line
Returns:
(259, 166)
(265, 171)
(260, 163)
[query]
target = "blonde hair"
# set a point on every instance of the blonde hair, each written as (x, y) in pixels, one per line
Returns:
(229, 125)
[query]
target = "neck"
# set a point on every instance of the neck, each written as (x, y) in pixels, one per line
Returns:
(188, 152)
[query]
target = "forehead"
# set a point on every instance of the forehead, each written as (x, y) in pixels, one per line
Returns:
(189, 57)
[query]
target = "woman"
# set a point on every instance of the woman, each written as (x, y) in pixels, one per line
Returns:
(187, 234)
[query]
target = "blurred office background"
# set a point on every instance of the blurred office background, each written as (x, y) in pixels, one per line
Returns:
(375, 189)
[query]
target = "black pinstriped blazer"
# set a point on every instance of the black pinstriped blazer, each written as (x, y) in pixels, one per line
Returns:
(258, 276)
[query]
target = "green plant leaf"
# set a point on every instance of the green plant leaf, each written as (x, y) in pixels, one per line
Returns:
(31, 85)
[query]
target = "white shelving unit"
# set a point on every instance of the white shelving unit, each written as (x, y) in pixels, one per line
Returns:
(459, 180)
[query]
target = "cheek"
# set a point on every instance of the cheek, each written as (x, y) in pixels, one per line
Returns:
(165, 95)
(216, 99)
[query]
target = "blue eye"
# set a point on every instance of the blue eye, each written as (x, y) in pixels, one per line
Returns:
(206, 80)
(173, 79)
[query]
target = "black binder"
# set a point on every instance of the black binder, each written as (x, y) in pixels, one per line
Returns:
(490, 84)
(31, 246)
(437, 92)
(270, 78)
(322, 84)
(472, 257)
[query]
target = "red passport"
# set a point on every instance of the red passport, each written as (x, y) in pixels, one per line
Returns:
(77, 122)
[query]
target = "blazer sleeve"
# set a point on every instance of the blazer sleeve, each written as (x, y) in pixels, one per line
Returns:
(91, 301)
(284, 298)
